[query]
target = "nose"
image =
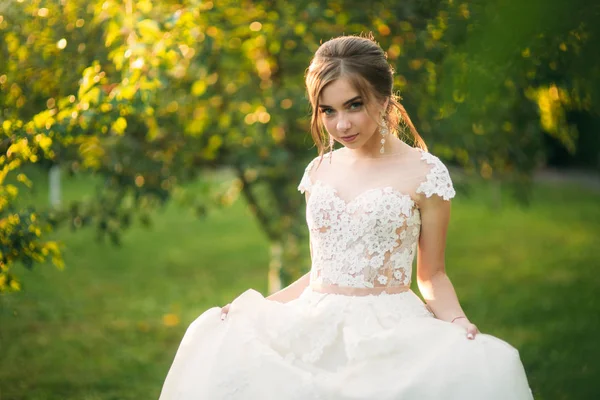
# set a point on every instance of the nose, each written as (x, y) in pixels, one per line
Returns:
(343, 124)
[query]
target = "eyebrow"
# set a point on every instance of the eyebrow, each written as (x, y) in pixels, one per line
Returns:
(345, 103)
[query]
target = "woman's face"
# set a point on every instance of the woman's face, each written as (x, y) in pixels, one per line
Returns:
(344, 115)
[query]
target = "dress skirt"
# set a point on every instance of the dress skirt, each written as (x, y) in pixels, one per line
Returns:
(338, 347)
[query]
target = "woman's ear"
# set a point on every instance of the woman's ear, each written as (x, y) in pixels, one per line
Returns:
(386, 103)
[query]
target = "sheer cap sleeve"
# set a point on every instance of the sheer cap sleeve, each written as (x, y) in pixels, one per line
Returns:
(437, 180)
(305, 182)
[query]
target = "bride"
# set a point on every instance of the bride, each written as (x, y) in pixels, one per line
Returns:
(351, 328)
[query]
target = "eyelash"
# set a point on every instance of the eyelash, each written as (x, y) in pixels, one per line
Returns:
(358, 105)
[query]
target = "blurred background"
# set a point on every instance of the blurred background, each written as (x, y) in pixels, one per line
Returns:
(151, 151)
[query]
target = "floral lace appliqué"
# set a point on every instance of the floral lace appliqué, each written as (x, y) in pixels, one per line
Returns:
(371, 240)
(438, 179)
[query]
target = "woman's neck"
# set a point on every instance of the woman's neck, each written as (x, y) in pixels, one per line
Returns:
(393, 147)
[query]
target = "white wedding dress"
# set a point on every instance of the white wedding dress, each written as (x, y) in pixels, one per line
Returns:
(357, 332)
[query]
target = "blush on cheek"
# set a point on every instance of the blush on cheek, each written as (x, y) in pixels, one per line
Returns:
(329, 128)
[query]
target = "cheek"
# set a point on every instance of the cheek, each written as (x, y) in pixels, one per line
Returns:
(329, 125)
(365, 122)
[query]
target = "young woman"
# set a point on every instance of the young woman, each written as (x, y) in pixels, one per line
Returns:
(352, 328)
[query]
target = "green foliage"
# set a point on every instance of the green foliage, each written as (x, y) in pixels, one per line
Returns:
(146, 95)
(511, 74)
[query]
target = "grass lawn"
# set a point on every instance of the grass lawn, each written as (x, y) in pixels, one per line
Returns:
(107, 327)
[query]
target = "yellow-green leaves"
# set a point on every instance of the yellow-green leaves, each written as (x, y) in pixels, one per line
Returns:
(149, 30)
(119, 126)
(112, 33)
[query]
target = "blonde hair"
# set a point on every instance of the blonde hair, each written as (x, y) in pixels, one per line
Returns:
(364, 63)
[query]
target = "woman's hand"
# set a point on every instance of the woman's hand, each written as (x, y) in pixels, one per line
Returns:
(469, 327)
(225, 311)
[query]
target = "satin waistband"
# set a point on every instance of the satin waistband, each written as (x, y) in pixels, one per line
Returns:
(357, 291)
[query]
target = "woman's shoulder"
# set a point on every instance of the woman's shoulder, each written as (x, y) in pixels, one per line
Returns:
(426, 160)
(307, 178)
(434, 176)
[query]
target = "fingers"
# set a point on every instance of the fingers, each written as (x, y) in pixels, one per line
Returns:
(471, 331)
(224, 311)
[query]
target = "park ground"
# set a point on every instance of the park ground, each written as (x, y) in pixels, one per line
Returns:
(108, 325)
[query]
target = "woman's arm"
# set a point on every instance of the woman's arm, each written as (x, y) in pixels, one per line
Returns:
(286, 294)
(434, 284)
(292, 291)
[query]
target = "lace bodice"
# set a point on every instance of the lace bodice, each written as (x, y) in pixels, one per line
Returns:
(369, 239)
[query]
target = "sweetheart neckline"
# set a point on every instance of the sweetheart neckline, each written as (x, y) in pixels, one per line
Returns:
(347, 203)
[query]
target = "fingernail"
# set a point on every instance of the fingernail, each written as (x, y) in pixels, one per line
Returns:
(470, 336)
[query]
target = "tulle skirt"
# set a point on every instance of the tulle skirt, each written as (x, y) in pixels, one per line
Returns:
(332, 346)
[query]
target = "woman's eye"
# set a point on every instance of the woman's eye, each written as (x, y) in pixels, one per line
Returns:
(356, 105)
(327, 111)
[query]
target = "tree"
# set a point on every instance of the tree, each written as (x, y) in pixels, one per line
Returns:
(509, 76)
(148, 95)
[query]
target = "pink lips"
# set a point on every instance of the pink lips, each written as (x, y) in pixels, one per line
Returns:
(349, 138)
